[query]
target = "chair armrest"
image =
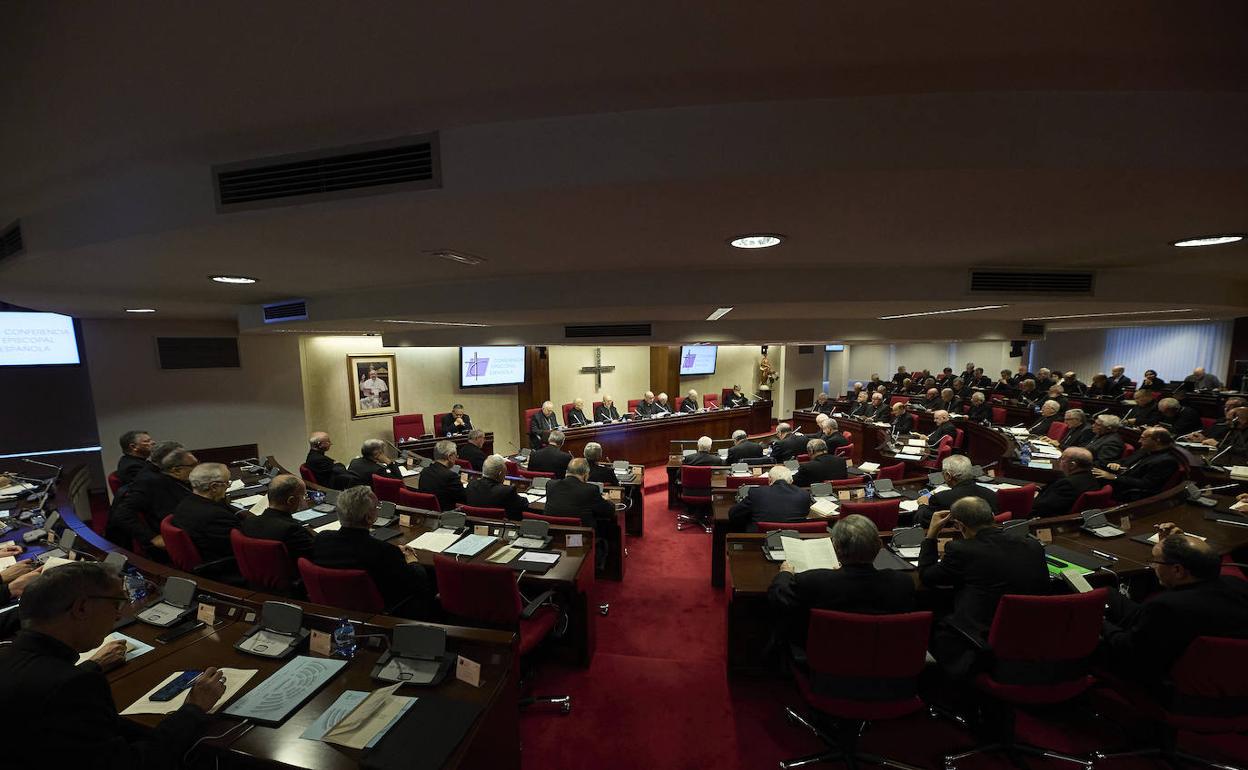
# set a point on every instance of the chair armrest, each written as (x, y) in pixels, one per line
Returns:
(535, 604)
(979, 644)
(213, 566)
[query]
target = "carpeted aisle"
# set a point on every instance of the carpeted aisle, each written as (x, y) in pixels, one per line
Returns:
(657, 695)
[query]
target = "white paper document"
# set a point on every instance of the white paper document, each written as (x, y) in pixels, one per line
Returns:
(471, 545)
(436, 541)
(907, 457)
(919, 442)
(332, 526)
(868, 467)
(824, 507)
(55, 562)
(811, 554)
(134, 648)
(7, 561)
(1240, 507)
(358, 719)
(540, 558)
(249, 501)
(405, 471)
(1156, 535)
(528, 542)
(235, 485)
(910, 505)
(1239, 472)
(16, 489)
(235, 679)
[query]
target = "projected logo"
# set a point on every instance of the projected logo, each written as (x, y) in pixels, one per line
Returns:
(690, 360)
(477, 366)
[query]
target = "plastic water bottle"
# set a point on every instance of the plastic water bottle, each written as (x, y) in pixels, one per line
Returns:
(136, 586)
(870, 488)
(344, 639)
(1024, 453)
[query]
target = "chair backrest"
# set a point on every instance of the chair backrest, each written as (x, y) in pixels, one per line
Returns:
(710, 401)
(898, 400)
(413, 499)
(695, 483)
(461, 462)
(114, 483)
(437, 421)
(803, 458)
(1127, 450)
(513, 467)
(1101, 498)
(408, 425)
(1177, 478)
(852, 481)
(482, 512)
(596, 405)
(1207, 422)
(528, 415)
(1017, 501)
(883, 512)
(893, 472)
(859, 647)
(959, 439)
(1041, 644)
(814, 526)
(632, 404)
(387, 488)
(485, 593)
(736, 482)
(1074, 403)
(566, 409)
(1231, 569)
(1003, 517)
(1057, 430)
(264, 564)
(1210, 683)
(182, 551)
(724, 395)
(536, 474)
(998, 415)
(562, 521)
(307, 475)
(351, 589)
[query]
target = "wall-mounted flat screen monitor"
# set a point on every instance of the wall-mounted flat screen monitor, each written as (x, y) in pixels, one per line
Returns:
(37, 339)
(486, 365)
(697, 359)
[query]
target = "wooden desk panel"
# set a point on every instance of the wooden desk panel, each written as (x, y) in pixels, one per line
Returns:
(424, 446)
(648, 441)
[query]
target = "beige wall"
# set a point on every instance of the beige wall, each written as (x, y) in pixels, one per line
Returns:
(798, 371)
(630, 379)
(261, 402)
(734, 365)
(885, 357)
(428, 383)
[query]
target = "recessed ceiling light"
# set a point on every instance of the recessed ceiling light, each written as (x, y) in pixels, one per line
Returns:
(1104, 315)
(757, 241)
(1208, 240)
(457, 256)
(718, 314)
(942, 312)
(140, 310)
(425, 323)
(232, 279)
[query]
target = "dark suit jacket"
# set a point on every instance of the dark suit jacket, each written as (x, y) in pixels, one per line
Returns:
(834, 440)
(982, 569)
(1019, 379)
(702, 458)
(947, 429)
(129, 467)
(603, 473)
(1041, 426)
(744, 451)
(1106, 449)
(903, 423)
(981, 413)
(581, 500)
(825, 467)
(776, 502)
(363, 470)
(658, 408)
(1073, 387)
(550, 459)
(443, 483)
(793, 445)
(39, 680)
(862, 409)
(473, 454)
(852, 588)
(1183, 422)
(1146, 415)
(576, 417)
(281, 526)
(953, 406)
(1115, 385)
(1078, 437)
(448, 424)
(604, 413)
(540, 427)
(827, 407)
(327, 472)
(354, 548)
(689, 405)
(1144, 640)
(138, 511)
(208, 524)
(944, 500)
(1145, 475)
(734, 400)
(1057, 498)
(485, 492)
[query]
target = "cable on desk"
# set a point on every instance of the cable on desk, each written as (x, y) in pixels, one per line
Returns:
(247, 723)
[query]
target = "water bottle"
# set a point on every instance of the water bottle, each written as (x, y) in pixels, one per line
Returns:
(1024, 453)
(136, 586)
(344, 639)
(870, 488)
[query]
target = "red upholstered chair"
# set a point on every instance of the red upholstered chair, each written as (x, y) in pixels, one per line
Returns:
(998, 415)
(486, 594)
(554, 521)
(567, 408)
(803, 458)
(736, 482)
(893, 472)
(898, 400)
(632, 405)
(959, 439)
(513, 467)
(1057, 430)
(724, 395)
(387, 488)
(1101, 498)
(408, 425)
(1206, 690)
(535, 474)
(351, 589)
(114, 484)
(695, 493)
(862, 669)
(461, 462)
(437, 422)
(710, 401)
(182, 551)
(1002, 518)
(1074, 404)
(814, 526)
(423, 500)
(482, 512)
(852, 481)
(1039, 649)
(845, 450)
(307, 475)
(1127, 451)
(1231, 569)
(596, 405)
(1017, 501)
(1207, 422)
(944, 448)
(264, 564)
(883, 512)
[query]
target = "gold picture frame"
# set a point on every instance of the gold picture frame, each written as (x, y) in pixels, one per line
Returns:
(372, 385)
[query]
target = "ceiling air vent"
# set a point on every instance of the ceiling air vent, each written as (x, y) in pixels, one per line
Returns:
(611, 330)
(11, 240)
(290, 310)
(1033, 330)
(197, 352)
(410, 163)
(1031, 282)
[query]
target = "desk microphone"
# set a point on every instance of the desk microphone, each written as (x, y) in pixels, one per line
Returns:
(56, 468)
(1210, 461)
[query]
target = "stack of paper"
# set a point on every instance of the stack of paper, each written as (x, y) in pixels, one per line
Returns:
(868, 467)
(471, 545)
(250, 500)
(435, 542)
(1240, 506)
(910, 505)
(332, 526)
(406, 471)
(1239, 472)
(235, 678)
(358, 720)
(16, 489)
(134, 648)
(235, 485)
(54, 562)
(811, 554)
(824, 507)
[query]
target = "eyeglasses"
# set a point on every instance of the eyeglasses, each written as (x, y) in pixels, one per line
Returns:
(121, 601)
(1160, 563)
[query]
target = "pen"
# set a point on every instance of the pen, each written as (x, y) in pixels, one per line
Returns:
(1104, 555)
(1236, 523)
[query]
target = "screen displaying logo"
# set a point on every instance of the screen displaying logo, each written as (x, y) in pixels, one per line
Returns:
(477, 367)
(690, 359)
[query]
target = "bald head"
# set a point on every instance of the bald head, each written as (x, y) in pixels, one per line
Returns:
(1075, 460)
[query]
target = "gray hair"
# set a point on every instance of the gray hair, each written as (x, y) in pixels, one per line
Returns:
(739, 435)
(593, 451)
(161, 449)
(831, 424)
(1166, 404)
(1057, 407)
(282, 487)
(957, 468)
(1111, 421)
(443, 450)
(494, 467)
(784, 427)
(475, 434)
(977, 397)
(317, 439)
(972, 512)
(1077, 414)
(371, 447)
(354, 505)
(705, 444)
(204, 475)
(578, 467)
(175, 458)
(780, 473)
(555, 438)
(816, 446)
(855, 539)
(53, 593)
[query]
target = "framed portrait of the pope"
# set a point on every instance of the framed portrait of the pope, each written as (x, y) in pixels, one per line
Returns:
(373, 385)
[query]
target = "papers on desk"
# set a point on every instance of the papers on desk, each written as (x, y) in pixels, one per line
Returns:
(7, 561)
(939, 488)
(134, 648)
(1239, 506)
(806, 555)
(1156, 535)
(235, 679)
(304, 516)
(919, 442)
(1003, 485)
(1239, 472)
(250, 501)
(1019, 431)
(905, 456)
(286, 689)
(1193, 445)
(910, 554)
(358, 719)
(16, 489)
(504, 555)
(1040, 464)
(910, 505)
(868, 467)
(332, 526)
(529, 542)
(540, 557)
(405, 471)
(532, 498)
(824, 506)
(54, 562)
(436, 541)
(882, 424)
(235, 485)
(471, 545)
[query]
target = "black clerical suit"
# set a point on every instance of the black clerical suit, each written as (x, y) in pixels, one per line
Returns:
(1019, 379)
(688, 405)
(208, 523)
(825, 467)
(981, 413)
(1114, 386)
(862, 409)
(579, 499)
(1058, 497)
(138, 511)
(550, 459)
(449, 426)
(129, 467)
(473, 454)
(702, 458)
(952, 406)
(1077, 437)
(327, 472)
(859, 588)
(744, 451)
(789, 447)
(1184, 421)
(735, 400)
(605, 413)
(406, 588)
(1145, 415)
(281, 526)
(443, 483)
(779, 501)
(827, 407)
(834, 440)
(1106, 448)
(1073, 387)
(883, 413)
(1041, 427)
(946, 428)
(1236, 441)
(576, 417)
(41, 682)
(603, 473)
(1144, 475)
(661, 408)
(485, 492)
(903, 423)
(364, 469)
(944, 500)
(540, 426)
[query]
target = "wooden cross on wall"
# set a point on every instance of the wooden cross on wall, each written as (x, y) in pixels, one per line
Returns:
(597, 369)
